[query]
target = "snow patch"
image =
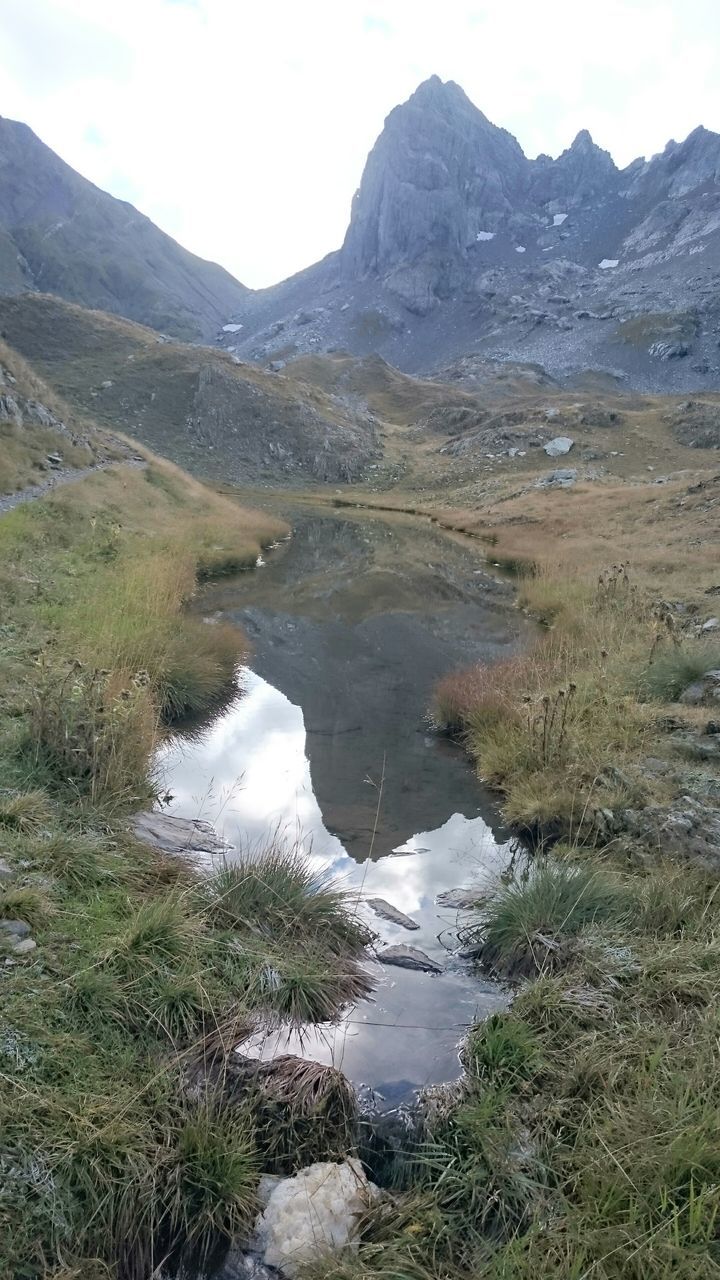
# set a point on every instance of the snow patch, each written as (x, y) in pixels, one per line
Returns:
(558, 219)
(607, 263)
(231, 328)
(519, 248)
(485, 235)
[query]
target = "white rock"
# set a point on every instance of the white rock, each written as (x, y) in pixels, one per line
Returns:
(232, 328)
(712, 624)
(558, 219)
(519, 248)
(485, 235)
(312, 1213)
(561, 444)
(607, 263)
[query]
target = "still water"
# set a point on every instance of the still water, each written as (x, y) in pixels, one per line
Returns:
(352, 621)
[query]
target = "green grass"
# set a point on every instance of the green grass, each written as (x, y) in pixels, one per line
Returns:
(530, 923)
(675, 667)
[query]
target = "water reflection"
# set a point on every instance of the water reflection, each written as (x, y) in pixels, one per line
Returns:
(249, 774)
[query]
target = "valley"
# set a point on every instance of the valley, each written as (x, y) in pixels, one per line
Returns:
(359, 734)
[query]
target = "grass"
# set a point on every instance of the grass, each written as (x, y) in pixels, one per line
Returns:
(529, 923)
(111, 1166)
(676, 667)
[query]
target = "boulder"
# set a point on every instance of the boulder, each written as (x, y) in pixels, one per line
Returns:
(24, 946)
(408, 958)
(314, 1213)
(702, 691)
(387, 911)
(560, 445)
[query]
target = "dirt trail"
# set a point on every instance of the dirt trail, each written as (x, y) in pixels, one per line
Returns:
(10, 500)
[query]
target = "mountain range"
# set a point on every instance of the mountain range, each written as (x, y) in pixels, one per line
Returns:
(460, 253)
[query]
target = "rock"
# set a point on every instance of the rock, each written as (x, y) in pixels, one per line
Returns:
(314, 1213)
(688, 830)
(177, 835)
(388, 912)
(704, 690)
(460, 899)
(6, 871)
(408, 958)
(669, 350)
(562, 478)
(14, 928)
(561, 444)
(24, 946)
(241, 1264)
(712, 624)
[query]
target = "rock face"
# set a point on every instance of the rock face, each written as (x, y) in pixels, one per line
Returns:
(61, 234)
(458, 243)
(439, 175)
(313, 1213)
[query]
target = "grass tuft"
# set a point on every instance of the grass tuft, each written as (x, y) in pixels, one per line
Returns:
(528, 923)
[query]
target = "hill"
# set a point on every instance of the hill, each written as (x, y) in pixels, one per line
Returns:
(194, 404)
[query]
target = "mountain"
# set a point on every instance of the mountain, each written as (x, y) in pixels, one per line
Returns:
(60, 234)
(459, 244)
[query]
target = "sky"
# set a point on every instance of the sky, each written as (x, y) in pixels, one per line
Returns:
(242, 127)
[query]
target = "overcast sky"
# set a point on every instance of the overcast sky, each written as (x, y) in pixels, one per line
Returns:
(242, 127)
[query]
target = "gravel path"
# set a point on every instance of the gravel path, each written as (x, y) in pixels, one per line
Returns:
(63, 476)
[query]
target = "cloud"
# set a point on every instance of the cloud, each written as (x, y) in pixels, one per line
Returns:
(243, 129)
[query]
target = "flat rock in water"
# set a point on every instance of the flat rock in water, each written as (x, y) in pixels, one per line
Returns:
(388, 912)
(177, 835)
(460, 899)
(408, 958)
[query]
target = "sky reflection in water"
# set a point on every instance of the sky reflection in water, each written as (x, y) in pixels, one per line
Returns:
(249, 775)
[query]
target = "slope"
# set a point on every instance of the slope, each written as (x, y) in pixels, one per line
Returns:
(62, 234)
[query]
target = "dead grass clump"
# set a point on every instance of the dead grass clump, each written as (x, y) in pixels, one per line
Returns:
(483, 694)
(92, 733)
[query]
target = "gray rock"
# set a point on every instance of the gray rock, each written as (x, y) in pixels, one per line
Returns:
(388, 912)
(560, 445)
(704, 690)
(408, 958)
(241, 1264)
(24, 946)
(562, 478)
(14, 928)
(460, 899)
(712, 624)
(6, 871)
(177, 835)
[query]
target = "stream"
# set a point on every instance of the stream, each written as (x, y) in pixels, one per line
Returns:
(329, 749)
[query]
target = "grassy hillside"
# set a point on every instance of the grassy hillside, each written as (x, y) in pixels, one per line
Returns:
(194, 404)
(123, 971)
